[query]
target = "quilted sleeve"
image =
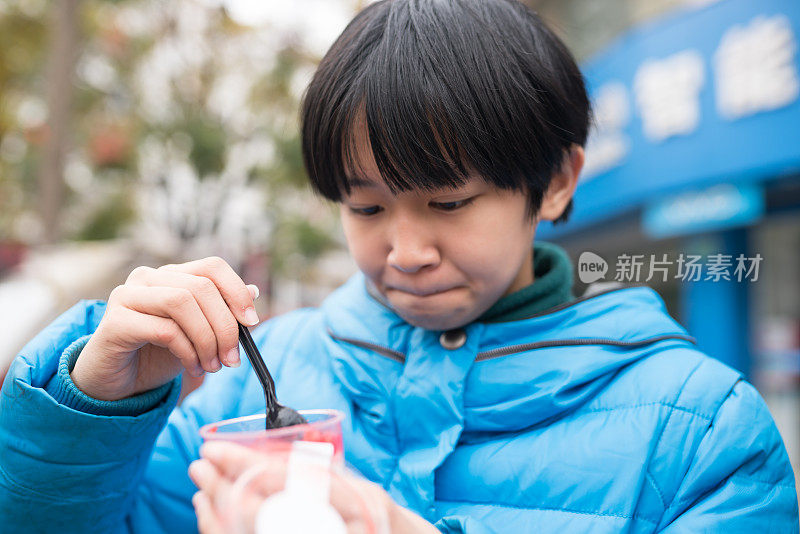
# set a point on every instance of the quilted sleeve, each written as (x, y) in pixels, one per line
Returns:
(740, 479)
(62, 469)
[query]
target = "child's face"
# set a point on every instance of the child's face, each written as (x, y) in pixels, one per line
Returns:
(440, 259)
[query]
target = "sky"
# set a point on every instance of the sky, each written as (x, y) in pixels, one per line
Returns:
(319, 21)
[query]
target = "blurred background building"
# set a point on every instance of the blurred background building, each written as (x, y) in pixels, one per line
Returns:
(695, 151)
(150, 131)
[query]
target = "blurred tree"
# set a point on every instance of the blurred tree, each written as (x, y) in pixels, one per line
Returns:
(220, 158)
(183, 122)
(105, 223)
(208, 142)
(63, 53)
(23, 38)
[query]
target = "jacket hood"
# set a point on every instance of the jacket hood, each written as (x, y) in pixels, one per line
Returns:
(514, 374)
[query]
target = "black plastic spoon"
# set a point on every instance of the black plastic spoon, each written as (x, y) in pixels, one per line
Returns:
(277, 415)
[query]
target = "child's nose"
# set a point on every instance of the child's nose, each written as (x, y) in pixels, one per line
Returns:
(412, 250)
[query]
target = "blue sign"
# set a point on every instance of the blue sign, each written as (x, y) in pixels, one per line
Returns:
(708, 95)
(715, 208)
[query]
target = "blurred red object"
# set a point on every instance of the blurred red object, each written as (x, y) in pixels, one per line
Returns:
(11, 254)
(113, 41)
(38, 135)
(109, 145)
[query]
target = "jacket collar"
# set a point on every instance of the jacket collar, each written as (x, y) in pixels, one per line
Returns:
(626, 316)
(534, 368)
(407, 388)
(518, 372)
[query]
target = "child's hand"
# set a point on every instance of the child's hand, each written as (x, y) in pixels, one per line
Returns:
(364, 507)
(162, 320)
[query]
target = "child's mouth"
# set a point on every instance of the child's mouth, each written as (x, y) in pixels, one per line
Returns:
(421, 293)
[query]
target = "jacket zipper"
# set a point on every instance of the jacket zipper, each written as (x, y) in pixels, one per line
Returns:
(524, 347)
(514, 349)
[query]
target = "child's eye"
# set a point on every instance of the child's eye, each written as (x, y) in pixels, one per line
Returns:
(368, 211)
(452, 206)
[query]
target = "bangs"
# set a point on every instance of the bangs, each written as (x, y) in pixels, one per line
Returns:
(415, 154)
(440, 91)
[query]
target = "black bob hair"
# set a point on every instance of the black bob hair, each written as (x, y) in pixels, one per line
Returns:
(445, 89)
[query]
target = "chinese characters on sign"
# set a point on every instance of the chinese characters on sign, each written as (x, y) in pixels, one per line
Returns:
(668, 94)
(608, 145)
(753, 69)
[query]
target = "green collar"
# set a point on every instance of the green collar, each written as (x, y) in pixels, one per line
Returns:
(552, 285)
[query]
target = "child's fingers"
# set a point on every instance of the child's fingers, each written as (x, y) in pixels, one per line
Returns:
(362, 504)
(229, 284)
(179, 305)
(207, 520)
(204, 475)
(217, 312)
(140, 328)
(210, 481)
(232, 459)
(218, 490)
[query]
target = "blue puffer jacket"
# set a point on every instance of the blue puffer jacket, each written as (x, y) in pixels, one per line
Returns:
(595, 416)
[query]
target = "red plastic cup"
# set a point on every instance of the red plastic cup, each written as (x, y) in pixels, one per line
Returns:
(255, 509)
(324, 426)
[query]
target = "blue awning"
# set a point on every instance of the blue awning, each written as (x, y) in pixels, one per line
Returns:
(708, 95)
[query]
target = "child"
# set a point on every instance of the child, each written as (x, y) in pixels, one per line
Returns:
(480, 395)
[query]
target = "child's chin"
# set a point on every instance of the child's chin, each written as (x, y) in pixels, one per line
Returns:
(434, 322)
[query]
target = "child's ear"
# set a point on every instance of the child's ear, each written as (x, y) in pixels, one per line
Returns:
(562, 185)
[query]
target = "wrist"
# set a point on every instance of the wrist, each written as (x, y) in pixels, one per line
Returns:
(88, 375)
(62, 389)
(81, 376)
